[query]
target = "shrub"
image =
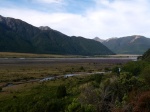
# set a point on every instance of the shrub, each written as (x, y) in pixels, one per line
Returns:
(75, 106)
(0, 89)
(61, 91)
(146, 75)
(107, 69)
(143, 103)
(116, 70)
(98, 78)
(82, 68)
(134, 67)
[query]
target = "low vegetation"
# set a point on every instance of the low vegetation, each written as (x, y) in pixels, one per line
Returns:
(31, 55)
(146, 55)
(125, 89)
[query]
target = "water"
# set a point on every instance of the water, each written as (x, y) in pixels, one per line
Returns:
(55, 77)
(47, 79)
(68, 75)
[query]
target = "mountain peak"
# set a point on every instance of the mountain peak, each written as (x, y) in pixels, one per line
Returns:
(1, 18)
(44, 28)
(135, 37)
(98, 39)
(111, 39)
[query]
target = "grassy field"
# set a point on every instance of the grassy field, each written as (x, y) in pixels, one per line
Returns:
(14, 69)
(30, 55)
(21, 71)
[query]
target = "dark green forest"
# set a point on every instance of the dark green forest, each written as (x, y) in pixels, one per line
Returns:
(19, 36)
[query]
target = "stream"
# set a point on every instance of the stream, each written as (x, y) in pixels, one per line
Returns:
(51, 78)
(68, 75)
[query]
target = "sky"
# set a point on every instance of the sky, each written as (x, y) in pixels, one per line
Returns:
(87, 18)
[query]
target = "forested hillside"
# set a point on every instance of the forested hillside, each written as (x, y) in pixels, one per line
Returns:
(19, 36)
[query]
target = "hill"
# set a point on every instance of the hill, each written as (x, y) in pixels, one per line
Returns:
(135, 44)
(146, 55)
(19, 36)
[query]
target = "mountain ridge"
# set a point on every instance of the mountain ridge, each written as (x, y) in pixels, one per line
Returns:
(135, 44)
(19, 36)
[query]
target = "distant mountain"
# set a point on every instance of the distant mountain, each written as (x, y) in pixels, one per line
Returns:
(98, 39)
(19, 36)
(44, 28)
(135, 44)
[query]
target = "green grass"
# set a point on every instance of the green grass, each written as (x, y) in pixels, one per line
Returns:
(38, 96)
(31, 55)
(18, 72)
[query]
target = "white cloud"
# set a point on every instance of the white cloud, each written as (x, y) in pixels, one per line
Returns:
(49, 1)
(105, 20)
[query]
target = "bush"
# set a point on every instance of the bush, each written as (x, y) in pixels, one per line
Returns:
(143, 103)
(61, 91)
(98, 78)
(107, 69)
(135, 67)
(75, 106)
(82, 68)
(146, 75)
(146, 55)
(116, 70)
(0, 89)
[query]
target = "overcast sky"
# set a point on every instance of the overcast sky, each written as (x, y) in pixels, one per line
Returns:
(86, 18)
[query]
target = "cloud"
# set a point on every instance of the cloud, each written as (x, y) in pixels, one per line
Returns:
(120, 18)
(106, 19)
(49, 1)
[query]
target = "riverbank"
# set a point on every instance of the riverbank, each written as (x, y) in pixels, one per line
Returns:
(10, 84)
(24, 70)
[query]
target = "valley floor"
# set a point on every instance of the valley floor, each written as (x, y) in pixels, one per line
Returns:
(98, 86)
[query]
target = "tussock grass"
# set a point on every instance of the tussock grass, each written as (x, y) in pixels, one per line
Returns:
(30, 55)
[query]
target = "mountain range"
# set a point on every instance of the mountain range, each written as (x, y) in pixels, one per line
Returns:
(19, 36)
(135, 44)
